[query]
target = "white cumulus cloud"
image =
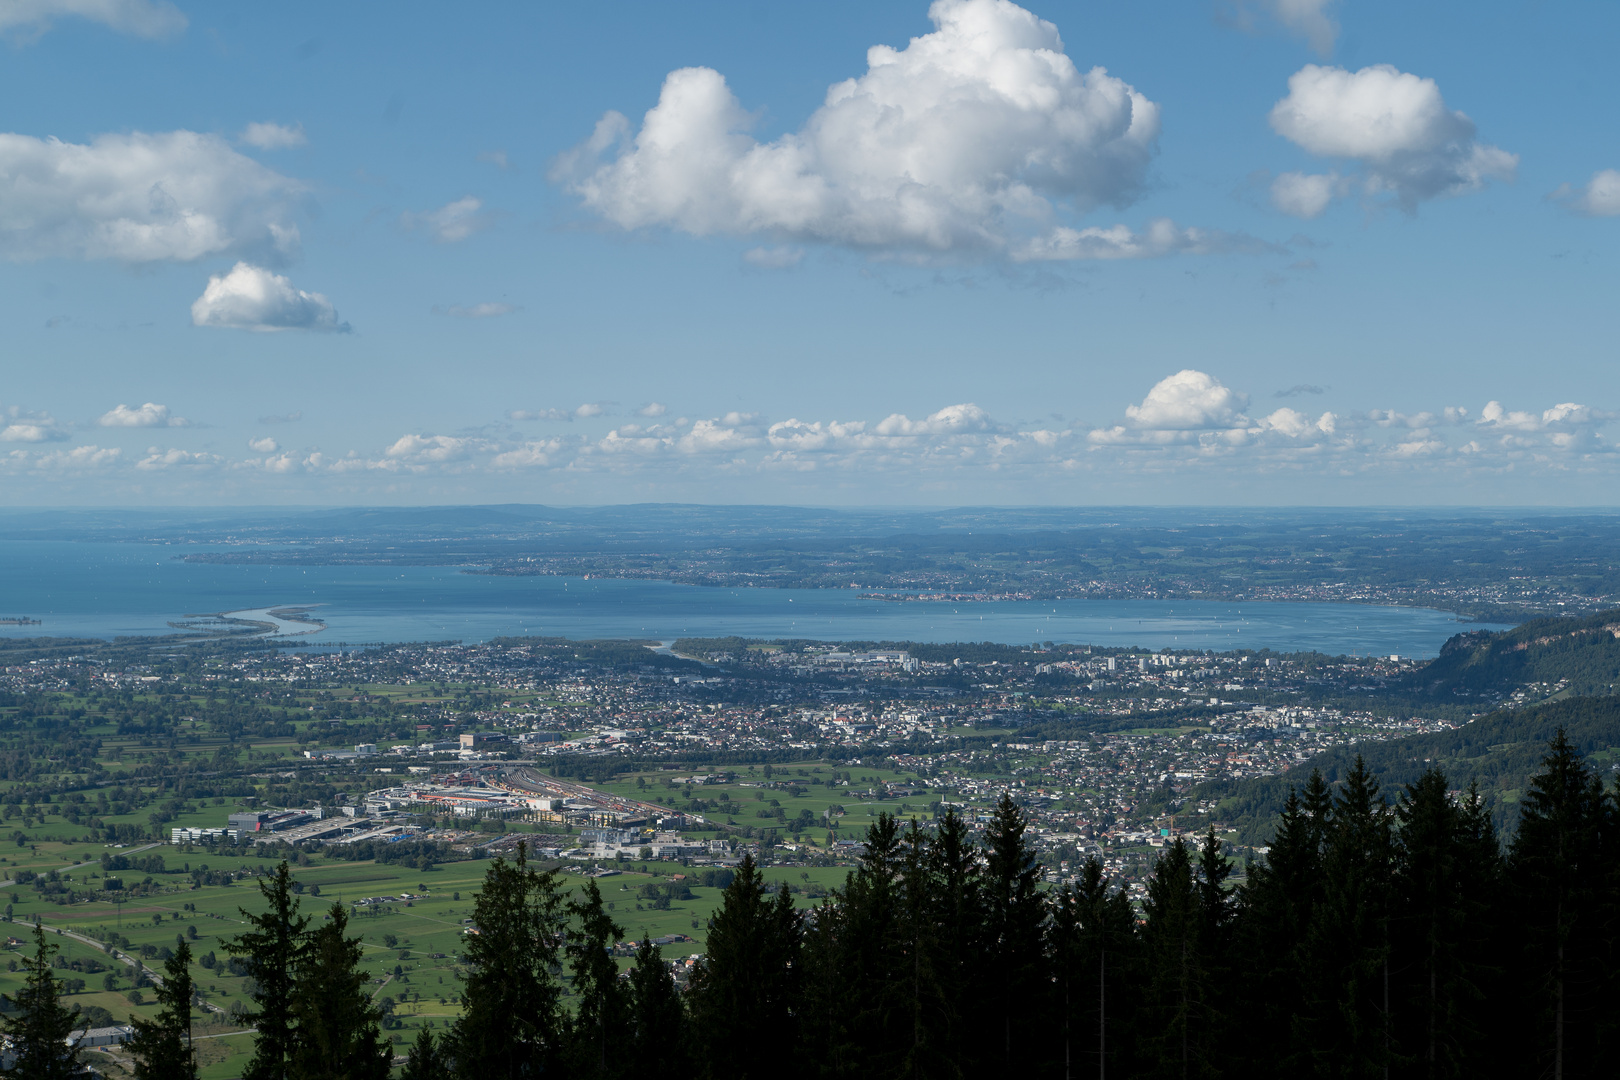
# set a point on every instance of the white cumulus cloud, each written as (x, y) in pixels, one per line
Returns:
(1598, 197)
(253, 298)
(1394, 124)
(1186, 401)
(972, 138)
(149, 415)
(268, 136)
(418, 450)
(158, 458)
(140, 18)
(652, 410)
(81, 457)
(266, 445)
(140, 198)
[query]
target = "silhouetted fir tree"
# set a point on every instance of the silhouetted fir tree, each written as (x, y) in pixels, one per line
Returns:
(337, 1030)
(1275, 906)
(36, 1024)
(1347, 992)
(950, 876)
(271, 949)
(1180, 1025)
(162, 1047)
(599, 1023)
(744, 994)
(918, 987)
(512, 1019)
(658, 1032)
(868, 951)
(426, 1060)
(1562, 885)
(1091, 935)
(1014, 912)
(1447, 870)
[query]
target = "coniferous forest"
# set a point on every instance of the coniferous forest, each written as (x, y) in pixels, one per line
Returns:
(1384, 935)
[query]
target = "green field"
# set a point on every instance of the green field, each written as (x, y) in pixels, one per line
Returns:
(410, 948)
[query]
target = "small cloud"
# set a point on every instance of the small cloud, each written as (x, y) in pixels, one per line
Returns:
(1303, 195)
(652, 410)
(452, 222)
(157, 458)
(284, 418)
(539, 414)
(1392, 123)
(30, 19)
(487, 310)
(1310, 19)
(56, 321)
(1598, 197)
(267, 136)
(588, 410)
(81, 457)
(773, 258)
(252, 298)
(1300, 388)
(18, 425)
(149, 415)
(266, 445)
(498, 159)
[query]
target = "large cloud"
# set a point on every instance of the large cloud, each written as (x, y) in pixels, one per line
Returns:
(971, 138)
(1195, 407)
(252, 298)
(1395, 125)
(142, 18)
(140, 198)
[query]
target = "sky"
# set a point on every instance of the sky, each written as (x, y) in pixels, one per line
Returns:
(1246, 252)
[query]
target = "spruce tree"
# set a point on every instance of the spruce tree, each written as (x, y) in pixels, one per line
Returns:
(923, 965)
(658, 1034)
(1447, 872)
(1562, 887)
(1014, 914)
(1092, 934)
(601, 1020)
(162, 1048)
(745, 993)
(869, 958)
(952, 903)
(512, 1019)
(1181, 1025)
(337, 1030)
(1276, 907)
(36, 1024)
(272, 949)
(426, 1060)
(1347, 1001)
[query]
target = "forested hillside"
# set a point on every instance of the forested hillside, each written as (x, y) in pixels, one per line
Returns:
(1582, 653)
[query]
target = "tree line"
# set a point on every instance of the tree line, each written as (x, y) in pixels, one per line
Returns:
(1380, 938)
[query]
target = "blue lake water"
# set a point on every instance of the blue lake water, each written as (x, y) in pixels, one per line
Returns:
(106, 590)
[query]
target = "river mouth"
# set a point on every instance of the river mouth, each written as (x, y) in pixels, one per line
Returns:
(293, 620)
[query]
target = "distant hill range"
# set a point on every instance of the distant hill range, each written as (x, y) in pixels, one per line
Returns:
(1581, 653)
(1551, 673)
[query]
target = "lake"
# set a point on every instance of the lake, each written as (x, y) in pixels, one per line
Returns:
(110, 589)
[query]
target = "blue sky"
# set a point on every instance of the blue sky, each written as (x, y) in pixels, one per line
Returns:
(1274, 252)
